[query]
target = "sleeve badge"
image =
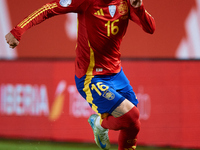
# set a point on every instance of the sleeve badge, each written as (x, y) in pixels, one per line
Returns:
(65, 3)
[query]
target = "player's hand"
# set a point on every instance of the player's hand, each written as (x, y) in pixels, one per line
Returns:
(11, 40)
(136, 3)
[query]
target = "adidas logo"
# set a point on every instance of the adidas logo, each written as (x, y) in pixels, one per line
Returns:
(189, 47)
(99, 12)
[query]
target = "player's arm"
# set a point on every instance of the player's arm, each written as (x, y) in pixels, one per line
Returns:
(49, 10)
(139, 15)
(38, 16)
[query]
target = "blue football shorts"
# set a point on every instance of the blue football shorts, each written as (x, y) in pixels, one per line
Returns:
(105, 93)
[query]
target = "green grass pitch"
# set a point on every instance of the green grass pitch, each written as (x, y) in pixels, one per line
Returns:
(6, 144)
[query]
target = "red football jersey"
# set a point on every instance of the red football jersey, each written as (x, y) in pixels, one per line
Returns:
(101, 27)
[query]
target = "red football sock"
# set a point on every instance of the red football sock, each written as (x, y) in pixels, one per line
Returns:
(129, 126)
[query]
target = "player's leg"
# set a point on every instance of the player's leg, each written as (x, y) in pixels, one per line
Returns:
(126, 119)
(92, 90)
(105, 97)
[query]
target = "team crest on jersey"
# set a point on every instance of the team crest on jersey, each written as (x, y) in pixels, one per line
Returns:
(109, 95)
(123, 8)
(65, 3)
(112, 10)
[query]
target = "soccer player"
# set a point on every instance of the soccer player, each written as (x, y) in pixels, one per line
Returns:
(98, 72)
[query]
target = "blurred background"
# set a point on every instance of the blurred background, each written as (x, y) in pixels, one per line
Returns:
(38, 97)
